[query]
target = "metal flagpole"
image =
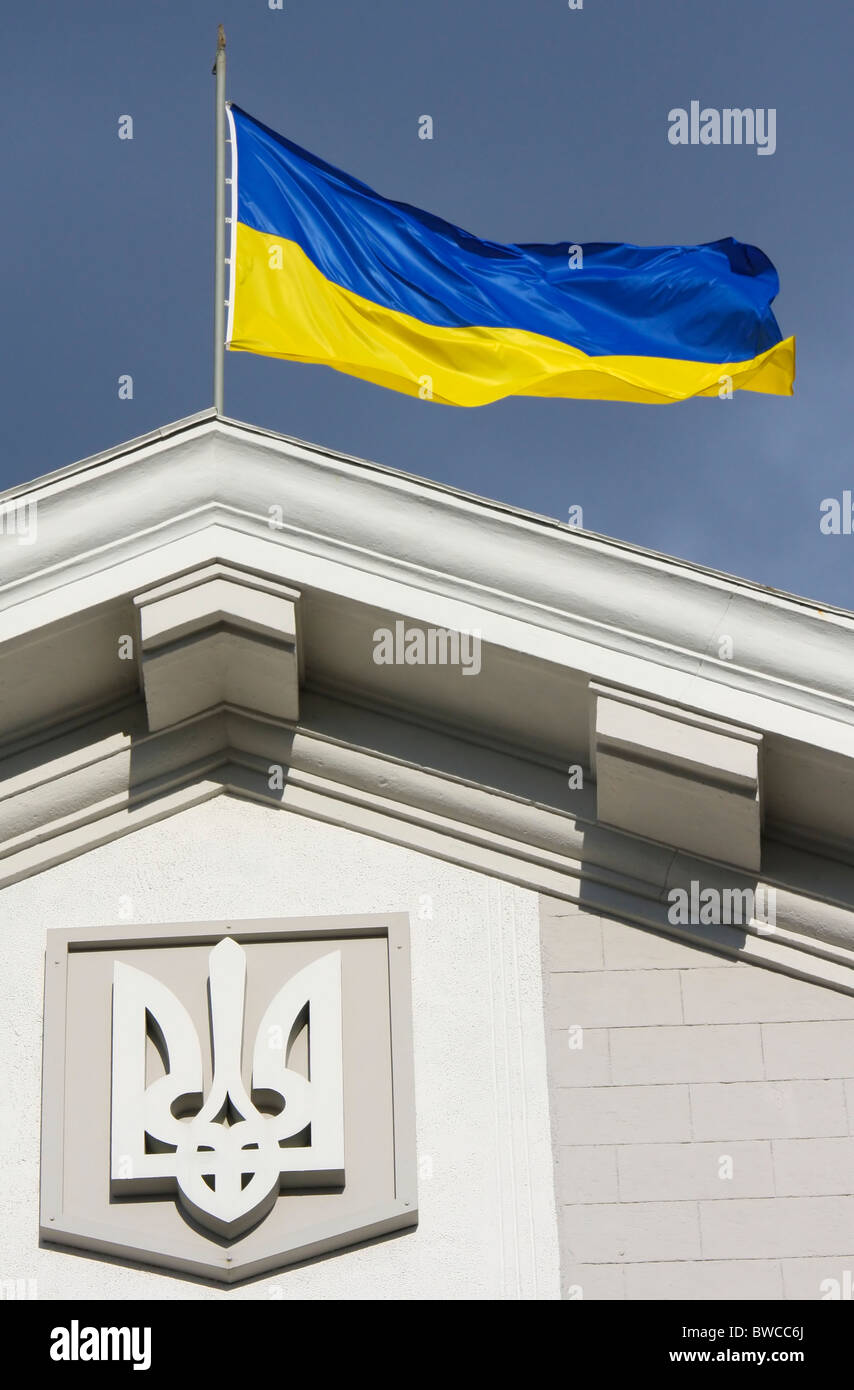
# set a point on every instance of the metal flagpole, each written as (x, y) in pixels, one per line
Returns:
(219, 240)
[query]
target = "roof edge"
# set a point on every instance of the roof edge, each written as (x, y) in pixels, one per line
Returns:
(210, 417)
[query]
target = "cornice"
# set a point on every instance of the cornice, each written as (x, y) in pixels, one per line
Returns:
(224, 553)
(96, 784)
(389, 525)
(544, 640)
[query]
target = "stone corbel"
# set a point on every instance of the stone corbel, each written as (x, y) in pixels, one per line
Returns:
(677, 777)
(218, 636)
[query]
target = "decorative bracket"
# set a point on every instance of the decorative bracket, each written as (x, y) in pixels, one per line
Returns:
(219, 636)
(677, 777)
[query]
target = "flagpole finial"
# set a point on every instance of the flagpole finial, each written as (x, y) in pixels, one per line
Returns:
(220, 46)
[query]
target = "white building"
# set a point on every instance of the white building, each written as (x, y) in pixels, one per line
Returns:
(621, 1090)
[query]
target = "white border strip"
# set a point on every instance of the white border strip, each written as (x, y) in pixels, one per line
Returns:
(232, 253)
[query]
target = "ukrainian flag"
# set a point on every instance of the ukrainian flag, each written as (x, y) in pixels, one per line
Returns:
(325, 270)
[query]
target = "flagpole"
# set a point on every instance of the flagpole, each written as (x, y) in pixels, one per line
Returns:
(219, 238)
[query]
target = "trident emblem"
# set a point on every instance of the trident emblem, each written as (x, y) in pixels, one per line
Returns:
(228, 1155)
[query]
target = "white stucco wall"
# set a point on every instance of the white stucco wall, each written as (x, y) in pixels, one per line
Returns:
(486, 1195)
(688, 1059)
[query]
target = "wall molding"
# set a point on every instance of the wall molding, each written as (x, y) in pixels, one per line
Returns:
(99, 783)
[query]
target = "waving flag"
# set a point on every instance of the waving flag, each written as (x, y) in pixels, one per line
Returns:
(323, 269)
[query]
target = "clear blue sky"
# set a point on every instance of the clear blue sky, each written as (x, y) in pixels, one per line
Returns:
(550, 125)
